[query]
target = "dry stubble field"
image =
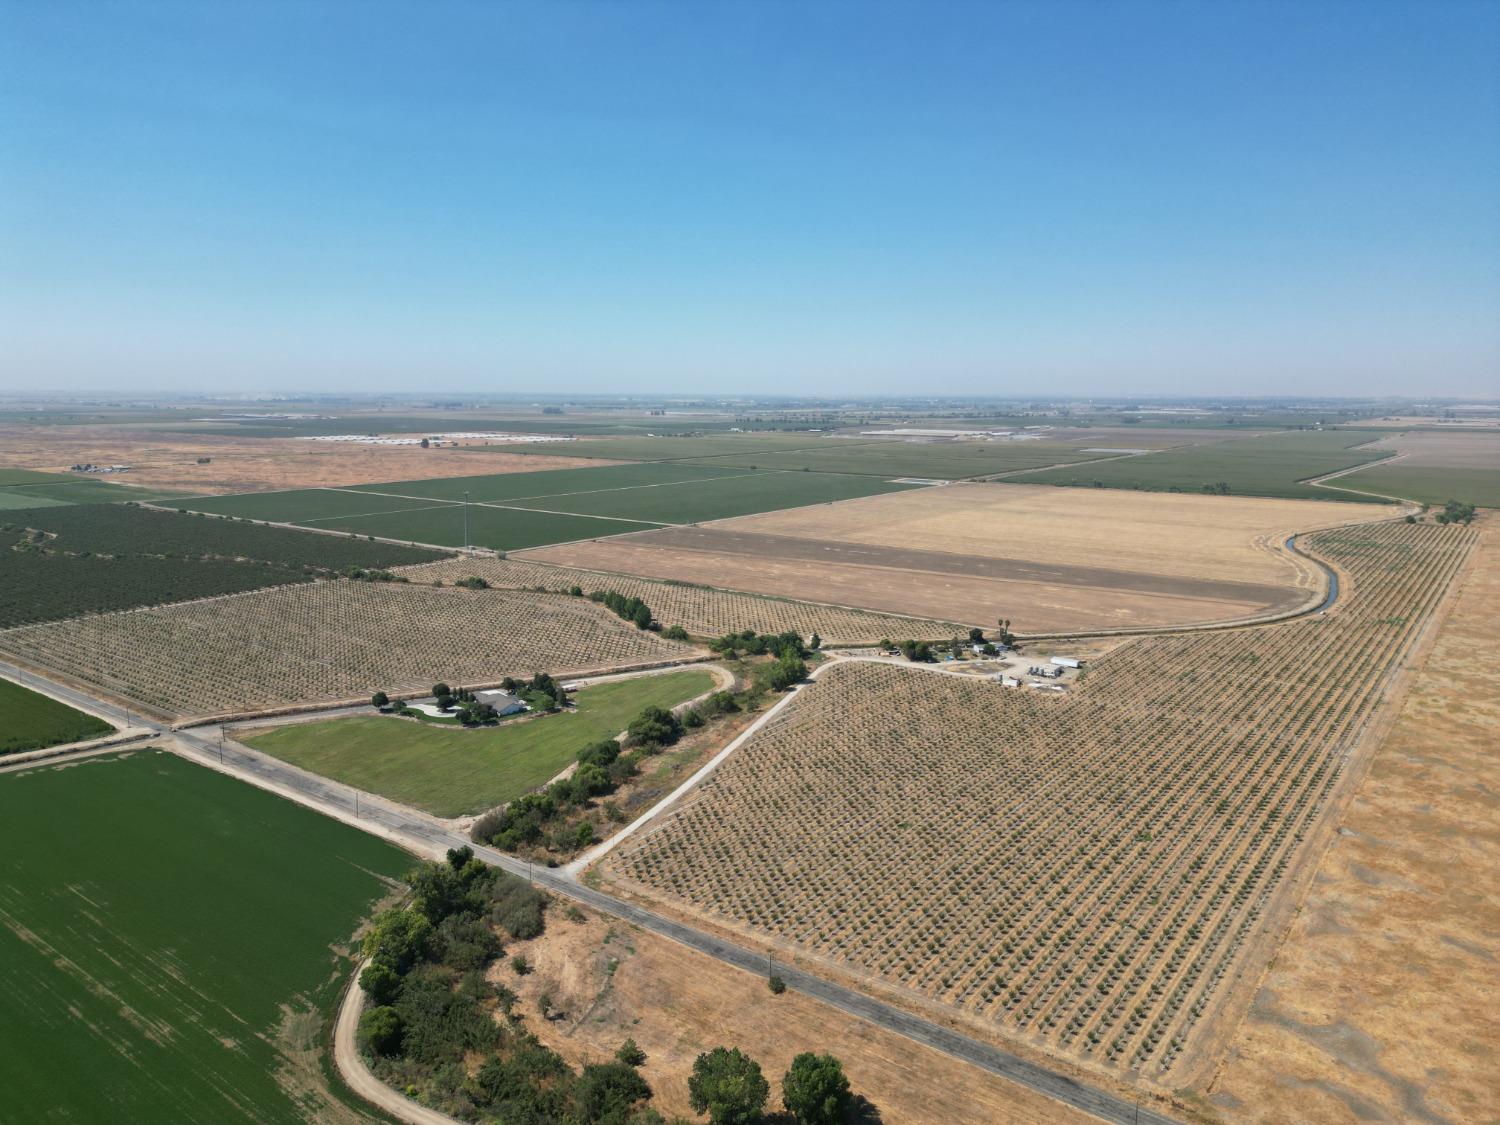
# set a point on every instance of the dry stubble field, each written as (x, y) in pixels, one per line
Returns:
(1381, 1005)
(240, 464)
(702, 611)
(329, 641)
(1049, 559)
(1093, 874)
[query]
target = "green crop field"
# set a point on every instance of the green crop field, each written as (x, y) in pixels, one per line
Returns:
(546, 484)
(503, 529)
(742, 495)
(451, 771)
(512, 511)
(1271, 465)
(1428, 484)
(33, 722)
(64, 561)
(940, 461)
(668, 448)
(26, 488)
(168, 943)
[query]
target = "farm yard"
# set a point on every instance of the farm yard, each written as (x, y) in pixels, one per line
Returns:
(34, 721)
(171, 944)
(1094, 873)
(450, 771)
(1265, 465)
(513, 511)
(702, 610)
(61, 562)
(329, 641)
(978, 552)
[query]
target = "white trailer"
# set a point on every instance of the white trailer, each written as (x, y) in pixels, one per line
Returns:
(1067, 661)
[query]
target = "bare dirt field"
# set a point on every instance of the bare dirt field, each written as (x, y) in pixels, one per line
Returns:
(1102, 875)
(1455, 449)
(238, 464)
(611, 982)
(1381, 1005)
(1050, 560)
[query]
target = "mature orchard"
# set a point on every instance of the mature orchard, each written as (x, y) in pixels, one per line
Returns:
(330, 641)
(1091, 871)
(701, 610)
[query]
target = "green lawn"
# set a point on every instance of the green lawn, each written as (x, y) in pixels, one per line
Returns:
(29, 721)
(1272, 465)
(450, 771)
(169, 943)
(1428, 484)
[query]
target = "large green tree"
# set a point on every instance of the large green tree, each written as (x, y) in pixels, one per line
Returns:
(727, 1084)
(815, 1090)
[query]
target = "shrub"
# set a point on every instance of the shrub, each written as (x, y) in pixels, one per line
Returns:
(655, 726)
(380, 700)
(380, 982)
(380, 1031)
(630, 1053)
(675, 633)
(776, 985)
(605, 1092)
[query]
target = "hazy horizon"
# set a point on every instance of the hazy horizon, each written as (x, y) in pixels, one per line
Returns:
(1020, 200)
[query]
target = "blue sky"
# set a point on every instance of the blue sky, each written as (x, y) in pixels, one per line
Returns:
(781, 197)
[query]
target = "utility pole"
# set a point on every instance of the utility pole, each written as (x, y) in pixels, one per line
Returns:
(221, 745)
(466, 519)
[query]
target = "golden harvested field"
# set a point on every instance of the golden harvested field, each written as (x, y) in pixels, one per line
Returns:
(611, 981)
(329, 641)
(1382, 1003)
(702, 611)
(1095, 874)
(239, 464)
(1048, 559)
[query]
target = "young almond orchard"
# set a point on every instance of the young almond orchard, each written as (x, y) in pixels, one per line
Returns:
(701, 610)
(331, 641)
(1092, 872)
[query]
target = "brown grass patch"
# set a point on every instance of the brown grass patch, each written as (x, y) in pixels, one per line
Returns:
(611, 981)
(170, 461)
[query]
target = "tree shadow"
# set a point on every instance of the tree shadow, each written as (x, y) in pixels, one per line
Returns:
(862, 1111)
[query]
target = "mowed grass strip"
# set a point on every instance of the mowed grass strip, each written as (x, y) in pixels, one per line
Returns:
(1270, 465)
(168, 943)
(32, 721)
(450, 771)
